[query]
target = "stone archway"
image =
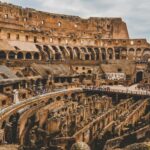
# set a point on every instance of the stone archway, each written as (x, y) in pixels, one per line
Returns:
(28, 56)
(2, 55)
(139, 76)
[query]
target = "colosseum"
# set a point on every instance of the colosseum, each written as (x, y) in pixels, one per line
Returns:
(68, 83)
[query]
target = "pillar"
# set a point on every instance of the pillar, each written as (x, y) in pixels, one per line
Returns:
(16, 96)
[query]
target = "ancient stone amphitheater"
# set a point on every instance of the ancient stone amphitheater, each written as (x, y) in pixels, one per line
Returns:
(68, 83)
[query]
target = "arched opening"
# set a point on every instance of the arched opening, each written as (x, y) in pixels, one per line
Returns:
(2, 55)
(57, 56)
(139, 76)
(138, 54)
(36, 56)
(131, 54)
(62, 79)
(117, 53)
(97, 53)
(11, 55)
(20, 55)
(71, 52)
(63, 51)
(57, 53)
(77, 52)
(146, 55)
(110, 53)
(103, 54)
(47, 51)
(83, 49)
(90, 50)
(124, 53)
(87, 57)
(28, 55)
(138, 51)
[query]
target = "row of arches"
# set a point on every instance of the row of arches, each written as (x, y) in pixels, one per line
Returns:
(96, 53)
(19, 55)
(67, 52)
(52, 52)
(124, 53)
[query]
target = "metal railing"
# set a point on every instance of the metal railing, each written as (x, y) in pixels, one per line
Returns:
(137, 92)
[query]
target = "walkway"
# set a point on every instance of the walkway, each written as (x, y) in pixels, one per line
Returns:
(15, 107)
(121, 89)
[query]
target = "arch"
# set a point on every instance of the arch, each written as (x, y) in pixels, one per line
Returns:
(146, 50)
(131, 50)
(20, 55)
(146, 57)
(36, 56)
(57, 53)
(62, 79)
(2, 55)
(28, 55)
(139, 76)
(78, 52)
(123, 53)
(138, 51)
(91, 51)
(71, 52)
(97, 53)
(110, 53)
(131, 53)
(103, 50)
(87, 57)
(62, 49)
(11, 55)
(47, 51)
(83, 50)
(55, 49)
(57, 56)
(146, 54)
(117, 53)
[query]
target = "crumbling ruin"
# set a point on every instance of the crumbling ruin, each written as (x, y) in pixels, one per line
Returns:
(55, 73)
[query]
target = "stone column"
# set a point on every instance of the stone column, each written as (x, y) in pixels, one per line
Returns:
(7, 56)
(16, 96)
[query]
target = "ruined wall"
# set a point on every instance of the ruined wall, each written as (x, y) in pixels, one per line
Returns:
(19, 18)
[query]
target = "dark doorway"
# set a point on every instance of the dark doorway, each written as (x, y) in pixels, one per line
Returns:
(2, 55)
(139, 76)
(87, 57)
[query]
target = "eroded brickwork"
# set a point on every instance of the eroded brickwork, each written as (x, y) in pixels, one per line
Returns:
(56, 73)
